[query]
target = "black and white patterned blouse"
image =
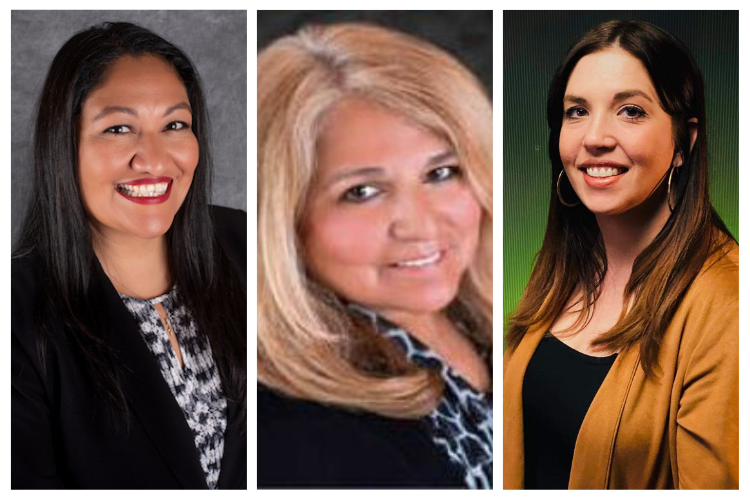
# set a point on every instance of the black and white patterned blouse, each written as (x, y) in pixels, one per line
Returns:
(462, 422)
(196, 386)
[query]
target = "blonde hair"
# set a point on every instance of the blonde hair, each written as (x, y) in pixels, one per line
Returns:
(309, 346)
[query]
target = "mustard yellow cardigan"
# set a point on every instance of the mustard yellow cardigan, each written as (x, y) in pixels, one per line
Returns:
(677, 430)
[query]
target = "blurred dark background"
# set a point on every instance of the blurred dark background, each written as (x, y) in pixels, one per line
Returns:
(465, 34)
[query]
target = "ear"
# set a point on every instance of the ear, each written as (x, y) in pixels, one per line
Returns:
(693, 130)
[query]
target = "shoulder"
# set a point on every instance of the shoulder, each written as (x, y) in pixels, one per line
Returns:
(306, 428)
(24, 273)
(230, 225)
(717, 285)
(707, 320)
(290, 416)
(24, 295)
(302, 443)
(722, 270)
(231, 230)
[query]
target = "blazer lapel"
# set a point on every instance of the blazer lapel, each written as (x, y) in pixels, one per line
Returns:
(592, 459)
(234, 458)
(514, 370)
(149, 397)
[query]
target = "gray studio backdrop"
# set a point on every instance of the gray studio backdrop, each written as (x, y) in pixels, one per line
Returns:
(216, 42)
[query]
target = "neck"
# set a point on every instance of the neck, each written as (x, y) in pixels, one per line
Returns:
(136, 267)
(626, 235)
(428, 328)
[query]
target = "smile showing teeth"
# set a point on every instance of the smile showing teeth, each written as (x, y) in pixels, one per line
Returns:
(604, 171)
(423, 262)
(143, 190)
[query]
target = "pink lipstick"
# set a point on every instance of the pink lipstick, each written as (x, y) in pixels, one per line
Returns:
(600, 174)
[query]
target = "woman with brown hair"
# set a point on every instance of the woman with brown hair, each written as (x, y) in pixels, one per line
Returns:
(621, 368)
(374, 263)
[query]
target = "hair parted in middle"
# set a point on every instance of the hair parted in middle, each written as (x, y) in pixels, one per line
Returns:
(56, 227)
(573, 257)
(309, 345)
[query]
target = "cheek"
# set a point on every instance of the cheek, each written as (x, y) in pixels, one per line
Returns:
(465, 212)
(186, 154)
(569, 144)
(98, 164)
(334, 240)
(650, 148)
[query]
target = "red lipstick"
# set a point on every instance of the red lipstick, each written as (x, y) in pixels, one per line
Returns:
(132, 190)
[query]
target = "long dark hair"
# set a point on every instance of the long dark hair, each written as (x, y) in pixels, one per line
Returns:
(56, 226)
(572, 252)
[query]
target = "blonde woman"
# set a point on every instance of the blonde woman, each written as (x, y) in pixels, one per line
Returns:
(374, 262)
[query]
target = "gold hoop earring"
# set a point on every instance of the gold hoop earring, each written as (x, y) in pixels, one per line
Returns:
(669, 190)
(559, 195)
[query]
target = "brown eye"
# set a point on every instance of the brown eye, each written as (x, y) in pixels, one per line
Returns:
(575, 112)
(178, 126)
(117, 129)
(633, 112)
(360, 193)
(444, 173)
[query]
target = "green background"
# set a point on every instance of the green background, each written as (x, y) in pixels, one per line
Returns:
(534, 44)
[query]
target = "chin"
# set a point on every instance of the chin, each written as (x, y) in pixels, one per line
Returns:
(602, 207)
(152, 228)
(427, 301)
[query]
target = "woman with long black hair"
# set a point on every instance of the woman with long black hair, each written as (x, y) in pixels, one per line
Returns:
(129, 290)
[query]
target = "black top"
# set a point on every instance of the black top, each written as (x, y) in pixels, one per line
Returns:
(461, 424)
(61, 436)
(308, 445)
(559, 385)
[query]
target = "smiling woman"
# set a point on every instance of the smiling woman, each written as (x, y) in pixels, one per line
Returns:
(137, 123)
(374, 264)
(621, 368)
(129, 295)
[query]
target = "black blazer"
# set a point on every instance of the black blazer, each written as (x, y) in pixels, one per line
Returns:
(61, 436)
(308, 445)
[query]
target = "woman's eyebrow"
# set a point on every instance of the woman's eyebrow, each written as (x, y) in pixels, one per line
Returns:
(182, 105)
(114, 109)
(620, 96)
(575, 99)
(130, 111)
(357, 172)
(627, 94)
(372, 171)
(442, 157)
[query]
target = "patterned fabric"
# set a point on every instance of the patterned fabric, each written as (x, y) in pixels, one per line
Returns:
(461, 424)
(196, 386)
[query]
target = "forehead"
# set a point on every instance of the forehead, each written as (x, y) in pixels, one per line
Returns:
(134, 80)
(359, 133)
(607, 72)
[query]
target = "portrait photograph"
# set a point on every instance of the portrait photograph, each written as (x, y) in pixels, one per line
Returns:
(621, 250)
(129, 250)
(375, 250)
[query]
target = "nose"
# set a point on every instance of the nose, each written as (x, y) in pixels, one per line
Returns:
(414, 217)
(599, 135)
(151, 155)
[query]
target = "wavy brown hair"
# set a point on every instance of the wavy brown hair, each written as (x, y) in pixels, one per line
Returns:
(309, 345)
(572, 256)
